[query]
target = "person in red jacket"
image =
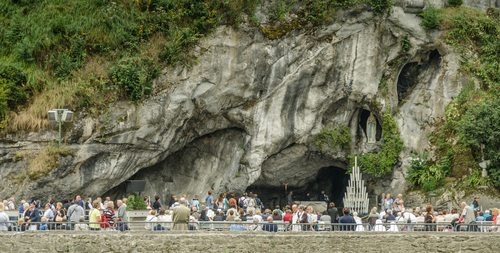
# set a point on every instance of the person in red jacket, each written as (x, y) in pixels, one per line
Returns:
(288, 215)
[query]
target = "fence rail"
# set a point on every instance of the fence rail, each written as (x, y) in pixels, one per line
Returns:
(214, 226)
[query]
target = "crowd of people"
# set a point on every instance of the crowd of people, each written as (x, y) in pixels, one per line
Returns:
(244, 213)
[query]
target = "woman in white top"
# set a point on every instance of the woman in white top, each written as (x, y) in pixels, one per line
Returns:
(359, 227)
(165, 217)
(4, 218)
(401, 206)
(48, 213)
(151, 218)
(258, 215)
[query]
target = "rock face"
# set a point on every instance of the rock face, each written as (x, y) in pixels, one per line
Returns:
(247, 113)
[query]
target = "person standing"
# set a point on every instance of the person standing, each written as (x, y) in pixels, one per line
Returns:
(157, 205)
(475, 203)
(270, 227)
(172, 201)
(322, 196)
(429, 218)
(289, 200)
(11, 204)
(122, 210)
(88, 204)
(109, 213)
(232, 202)
(307, 197)
(4, 218)
(195, 203)
(242, 202)
(79, 202)
(75, 212)
(260, 205)
(181, 216)
(34, 215)
(210, 200)
(347, 219)
(467, 215)
(95, 216)
(187, 202)
(333, 212)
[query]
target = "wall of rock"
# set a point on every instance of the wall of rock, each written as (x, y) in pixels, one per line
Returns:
(246, 114)
(242, 242)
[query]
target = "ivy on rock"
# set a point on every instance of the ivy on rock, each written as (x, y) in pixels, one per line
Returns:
(382, 163)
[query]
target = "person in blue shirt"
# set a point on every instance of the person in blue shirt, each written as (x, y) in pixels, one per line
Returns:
(270, 227)
(210, 200)
(237, 226)
(486, 214)
(347, 219)
(43, 226)
(196, 202)
(479, 216)
(392, 216)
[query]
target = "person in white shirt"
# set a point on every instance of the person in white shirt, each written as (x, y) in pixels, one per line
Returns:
(258, 215)
(151, 218)
(49, 214)
(382, 214)
(210, 213)
(297, 217)
(81, 226)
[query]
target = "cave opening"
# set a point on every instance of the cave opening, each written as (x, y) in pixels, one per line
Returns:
(333, 180)
(408, 77)
(364, 115)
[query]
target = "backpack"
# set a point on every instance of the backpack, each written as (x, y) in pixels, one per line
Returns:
(104, 221)
(195, 203)
(242, 202)
(232, 203)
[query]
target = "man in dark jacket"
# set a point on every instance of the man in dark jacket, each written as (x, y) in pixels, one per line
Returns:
(171, 203)
(323, 197)
(157, 205)
(34, 214)
(270, 227)
(348, 219)
(333, 212)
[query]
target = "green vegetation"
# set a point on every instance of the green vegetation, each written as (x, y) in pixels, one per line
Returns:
(382, 163)
(335, 137)
(379, 6)
(281, 8)
(420, 173)
(135, 203)
(455, 3)
(430, 17)
(473, 118)
(406, 43)
(46, 160)
(384, 86)
(91, 53)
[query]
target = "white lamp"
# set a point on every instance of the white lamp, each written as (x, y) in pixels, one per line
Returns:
(53, 115)
(67, 116)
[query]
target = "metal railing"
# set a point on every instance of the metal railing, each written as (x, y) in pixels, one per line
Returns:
(214, 226)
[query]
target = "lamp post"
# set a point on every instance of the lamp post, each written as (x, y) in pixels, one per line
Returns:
(60, 115)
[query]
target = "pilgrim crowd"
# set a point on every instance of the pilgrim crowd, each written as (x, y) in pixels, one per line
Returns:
(244, 213)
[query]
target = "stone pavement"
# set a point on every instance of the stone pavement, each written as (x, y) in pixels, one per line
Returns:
(248, 242)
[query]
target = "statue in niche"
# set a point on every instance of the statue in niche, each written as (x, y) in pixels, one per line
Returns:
(371, 128)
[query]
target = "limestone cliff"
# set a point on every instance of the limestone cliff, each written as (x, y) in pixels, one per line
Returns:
(245, 116)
